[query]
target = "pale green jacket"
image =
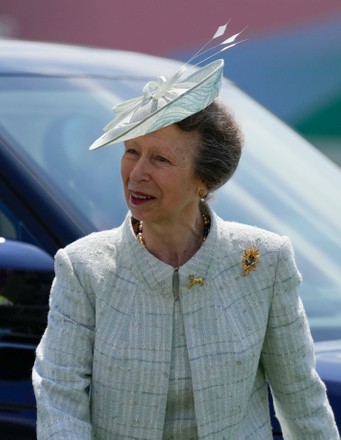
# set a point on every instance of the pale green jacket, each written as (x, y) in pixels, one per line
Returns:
(102, 367)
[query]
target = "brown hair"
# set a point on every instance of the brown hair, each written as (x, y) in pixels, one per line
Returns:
(220, 144)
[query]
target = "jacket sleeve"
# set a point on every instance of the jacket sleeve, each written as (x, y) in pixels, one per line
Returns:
(63, 365)
(299, 395)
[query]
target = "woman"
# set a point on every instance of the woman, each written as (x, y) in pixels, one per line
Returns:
(173, 325)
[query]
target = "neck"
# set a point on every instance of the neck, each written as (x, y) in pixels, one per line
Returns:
(174, 244)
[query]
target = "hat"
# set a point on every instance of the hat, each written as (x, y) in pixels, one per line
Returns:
(166, 101)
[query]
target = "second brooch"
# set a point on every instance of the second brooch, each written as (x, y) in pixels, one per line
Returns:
(250, 260)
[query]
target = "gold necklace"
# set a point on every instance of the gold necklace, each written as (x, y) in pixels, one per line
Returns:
(206, 229)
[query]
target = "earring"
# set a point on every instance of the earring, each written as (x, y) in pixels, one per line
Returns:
(202, 195)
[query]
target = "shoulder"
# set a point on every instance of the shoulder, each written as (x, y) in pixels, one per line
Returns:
(246, 235)
(96, 251)
(97, 239)
(94, 244)
(238, 240)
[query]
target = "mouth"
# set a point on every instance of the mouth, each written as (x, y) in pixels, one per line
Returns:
(138, 198)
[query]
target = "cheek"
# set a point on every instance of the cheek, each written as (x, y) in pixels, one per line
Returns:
(124, 171)
(183, 187)
(124, 179)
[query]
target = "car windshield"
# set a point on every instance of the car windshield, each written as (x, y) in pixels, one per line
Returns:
(282, 184)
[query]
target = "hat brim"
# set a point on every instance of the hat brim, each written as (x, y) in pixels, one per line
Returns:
(206, 88)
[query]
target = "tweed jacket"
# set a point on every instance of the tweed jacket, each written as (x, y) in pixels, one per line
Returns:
(102, 367)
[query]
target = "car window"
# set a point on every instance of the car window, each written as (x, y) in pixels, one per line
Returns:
(14, 227)
(8, 223)
(52, 122)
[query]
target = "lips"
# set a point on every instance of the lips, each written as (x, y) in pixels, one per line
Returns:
(138, 198)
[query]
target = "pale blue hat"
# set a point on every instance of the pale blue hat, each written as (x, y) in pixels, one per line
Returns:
(165, 102)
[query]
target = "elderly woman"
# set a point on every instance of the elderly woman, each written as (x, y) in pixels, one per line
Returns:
(173, 325)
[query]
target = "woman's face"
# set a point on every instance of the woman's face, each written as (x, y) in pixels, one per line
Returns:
(158, 175)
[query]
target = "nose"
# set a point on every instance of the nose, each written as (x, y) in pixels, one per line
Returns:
(140, 170)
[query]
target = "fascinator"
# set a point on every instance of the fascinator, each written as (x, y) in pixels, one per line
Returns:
(166, 101)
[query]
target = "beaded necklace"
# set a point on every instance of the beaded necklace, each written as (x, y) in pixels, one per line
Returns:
(206, 229)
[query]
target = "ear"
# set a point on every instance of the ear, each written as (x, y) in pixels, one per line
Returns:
(202, 192)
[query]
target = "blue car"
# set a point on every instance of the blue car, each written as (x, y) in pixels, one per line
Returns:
(54, 101)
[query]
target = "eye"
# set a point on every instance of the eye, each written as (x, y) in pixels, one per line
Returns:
(162, 159)
(131, 152)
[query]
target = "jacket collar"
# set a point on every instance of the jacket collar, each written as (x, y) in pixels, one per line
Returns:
(158, 275)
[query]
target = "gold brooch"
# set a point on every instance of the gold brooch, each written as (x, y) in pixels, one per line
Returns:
(193, 281)
(250, 260)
